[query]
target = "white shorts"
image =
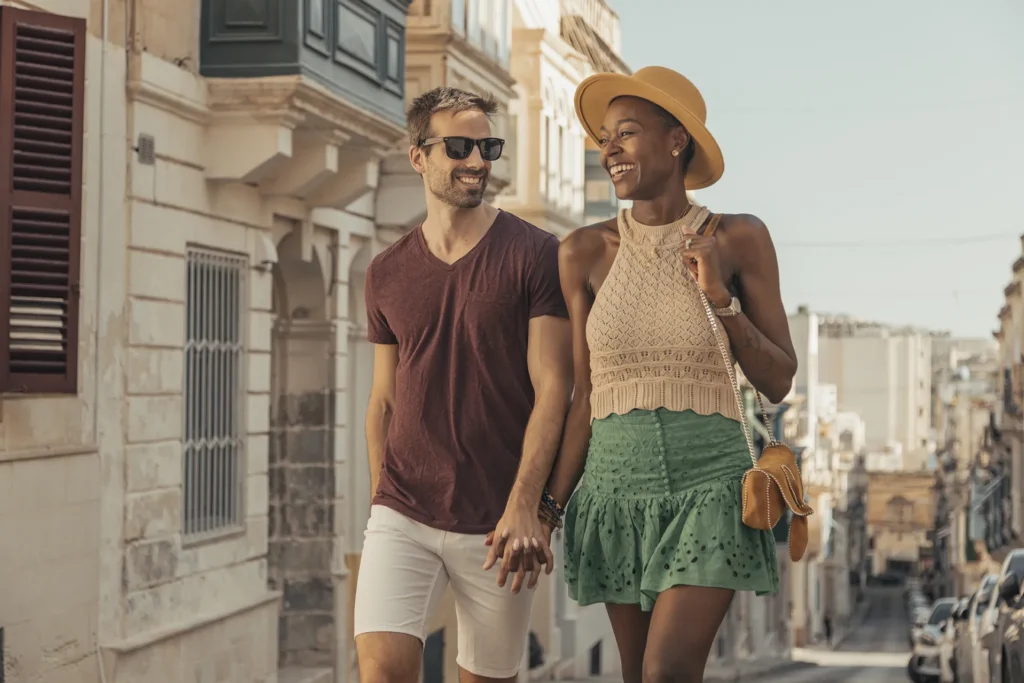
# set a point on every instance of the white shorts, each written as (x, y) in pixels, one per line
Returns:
(404, 569)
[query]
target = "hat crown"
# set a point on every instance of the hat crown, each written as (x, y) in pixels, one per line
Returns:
(676, 86)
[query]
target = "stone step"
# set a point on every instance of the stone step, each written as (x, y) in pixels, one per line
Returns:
(299, 674)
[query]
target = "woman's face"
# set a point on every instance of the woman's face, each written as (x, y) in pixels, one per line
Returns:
(636, 149)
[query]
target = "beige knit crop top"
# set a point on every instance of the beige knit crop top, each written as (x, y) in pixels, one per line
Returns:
(651, 345)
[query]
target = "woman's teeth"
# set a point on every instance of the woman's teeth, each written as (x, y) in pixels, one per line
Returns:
(620, 169)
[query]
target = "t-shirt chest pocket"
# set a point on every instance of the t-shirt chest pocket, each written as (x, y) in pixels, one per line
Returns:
(491, 315)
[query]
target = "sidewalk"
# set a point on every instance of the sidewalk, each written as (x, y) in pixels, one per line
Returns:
(745, 671)
(857, 619)
(752, 670)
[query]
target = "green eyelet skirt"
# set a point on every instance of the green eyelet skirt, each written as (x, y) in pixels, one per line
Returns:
(660, 506)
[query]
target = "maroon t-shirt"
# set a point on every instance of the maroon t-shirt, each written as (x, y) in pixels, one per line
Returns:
(463, 391)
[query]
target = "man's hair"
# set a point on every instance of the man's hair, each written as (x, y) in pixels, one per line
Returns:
(418, 115)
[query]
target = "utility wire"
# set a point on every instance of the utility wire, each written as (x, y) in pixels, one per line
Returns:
(878, 244)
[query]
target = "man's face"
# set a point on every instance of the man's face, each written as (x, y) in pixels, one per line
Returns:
(458, 182)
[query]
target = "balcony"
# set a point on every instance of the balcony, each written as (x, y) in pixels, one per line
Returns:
(355, 49)
(991, 510)
(303, 96)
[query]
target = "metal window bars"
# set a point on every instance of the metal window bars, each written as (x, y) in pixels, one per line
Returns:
(214, 391)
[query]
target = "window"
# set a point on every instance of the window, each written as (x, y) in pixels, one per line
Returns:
(40, 199)
(599, 191)
(512, 150)
(473, 23)
(214, 393)
(504, 31)
(459, 16)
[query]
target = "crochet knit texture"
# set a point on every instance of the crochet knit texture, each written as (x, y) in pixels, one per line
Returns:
(651, 344)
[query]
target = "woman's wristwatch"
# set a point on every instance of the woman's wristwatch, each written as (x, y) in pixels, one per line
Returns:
(732, 309)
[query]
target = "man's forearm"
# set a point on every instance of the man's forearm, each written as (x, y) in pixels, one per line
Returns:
(377, 421)
(540, 444)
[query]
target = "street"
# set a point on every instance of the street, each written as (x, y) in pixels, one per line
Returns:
(876, 652)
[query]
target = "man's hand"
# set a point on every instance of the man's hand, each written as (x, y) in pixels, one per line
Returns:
(523, 544)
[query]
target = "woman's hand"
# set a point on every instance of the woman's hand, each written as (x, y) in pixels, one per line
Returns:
(701, 254)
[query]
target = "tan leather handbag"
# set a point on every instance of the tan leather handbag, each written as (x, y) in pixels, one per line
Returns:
(773, 483)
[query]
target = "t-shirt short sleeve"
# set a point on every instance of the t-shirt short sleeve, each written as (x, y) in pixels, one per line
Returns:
(378, 330)
(545, 290)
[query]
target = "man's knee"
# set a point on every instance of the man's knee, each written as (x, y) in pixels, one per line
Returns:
(388, 657)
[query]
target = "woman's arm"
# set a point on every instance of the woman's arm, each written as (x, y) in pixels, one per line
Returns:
(759, 336)
(576, 256)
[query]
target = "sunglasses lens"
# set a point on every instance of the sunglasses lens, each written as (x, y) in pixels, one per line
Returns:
(490, 149)
(458, 148)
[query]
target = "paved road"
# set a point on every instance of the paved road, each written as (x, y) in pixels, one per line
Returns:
(875, 653)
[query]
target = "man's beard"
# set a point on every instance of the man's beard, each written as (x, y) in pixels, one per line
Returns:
(457, 194)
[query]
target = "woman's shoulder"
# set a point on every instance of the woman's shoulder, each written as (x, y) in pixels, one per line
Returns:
(584, 245)
(590, 240)
(741, 226)
(746, 238)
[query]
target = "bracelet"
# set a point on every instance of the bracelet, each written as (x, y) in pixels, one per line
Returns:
(549, 501)
(548, 518)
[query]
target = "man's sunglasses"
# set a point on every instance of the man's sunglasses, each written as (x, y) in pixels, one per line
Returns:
(458, 148)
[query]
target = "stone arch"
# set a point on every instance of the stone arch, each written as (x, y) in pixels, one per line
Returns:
(301, 463)
(300, 286)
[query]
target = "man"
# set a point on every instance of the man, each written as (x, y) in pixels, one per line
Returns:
(471, 384)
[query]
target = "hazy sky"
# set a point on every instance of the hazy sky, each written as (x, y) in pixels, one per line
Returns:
(882, 142)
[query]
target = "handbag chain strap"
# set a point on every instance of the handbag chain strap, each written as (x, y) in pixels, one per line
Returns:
(727, 358)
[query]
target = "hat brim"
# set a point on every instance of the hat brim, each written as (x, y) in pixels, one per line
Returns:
(596, 92)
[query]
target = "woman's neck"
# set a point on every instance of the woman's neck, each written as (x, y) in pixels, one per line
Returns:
(661, 210)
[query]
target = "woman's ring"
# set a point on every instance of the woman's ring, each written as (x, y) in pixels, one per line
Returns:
(687, 243)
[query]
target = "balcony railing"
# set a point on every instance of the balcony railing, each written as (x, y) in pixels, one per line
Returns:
(601, 19)
(992, 510)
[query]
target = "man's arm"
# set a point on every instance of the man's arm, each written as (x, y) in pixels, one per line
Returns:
(521, 539)
(380, 408)
(549, 358)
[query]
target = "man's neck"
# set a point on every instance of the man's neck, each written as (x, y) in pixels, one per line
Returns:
(451, 232)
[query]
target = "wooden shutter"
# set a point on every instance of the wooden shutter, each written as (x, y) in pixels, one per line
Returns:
(42, 87)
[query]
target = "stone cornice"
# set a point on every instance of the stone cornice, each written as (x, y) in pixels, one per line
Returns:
(420, 41)
(300, 103)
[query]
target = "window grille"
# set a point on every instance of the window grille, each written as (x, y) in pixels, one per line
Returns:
(215, 302)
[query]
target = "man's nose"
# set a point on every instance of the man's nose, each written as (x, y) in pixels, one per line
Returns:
(475, 158)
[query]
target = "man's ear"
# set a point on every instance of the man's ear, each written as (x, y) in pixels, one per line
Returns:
(417, 158)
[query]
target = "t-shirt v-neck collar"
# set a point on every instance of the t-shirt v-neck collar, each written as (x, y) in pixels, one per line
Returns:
(434, 261)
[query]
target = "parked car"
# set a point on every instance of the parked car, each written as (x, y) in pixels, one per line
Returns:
(966, 644)
(925, 661)
(1010, 657)
(994, 620)
(947, 644)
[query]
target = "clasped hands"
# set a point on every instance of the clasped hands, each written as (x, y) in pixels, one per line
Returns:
(522, 547)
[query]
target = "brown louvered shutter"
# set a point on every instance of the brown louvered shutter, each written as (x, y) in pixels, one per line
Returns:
(42, 88)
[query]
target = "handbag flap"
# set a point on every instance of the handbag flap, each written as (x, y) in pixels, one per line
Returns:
(778, 461)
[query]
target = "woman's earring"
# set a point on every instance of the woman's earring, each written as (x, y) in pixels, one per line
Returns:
(675, 152)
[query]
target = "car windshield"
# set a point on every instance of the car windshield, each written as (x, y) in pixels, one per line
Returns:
(940, 613)
(980, 606)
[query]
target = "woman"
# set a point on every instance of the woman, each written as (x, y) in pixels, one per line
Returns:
(655, 529)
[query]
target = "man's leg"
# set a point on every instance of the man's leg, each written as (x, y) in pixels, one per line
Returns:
(493, 623)
(401, 578)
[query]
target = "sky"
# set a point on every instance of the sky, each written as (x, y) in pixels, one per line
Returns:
(881, 141)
